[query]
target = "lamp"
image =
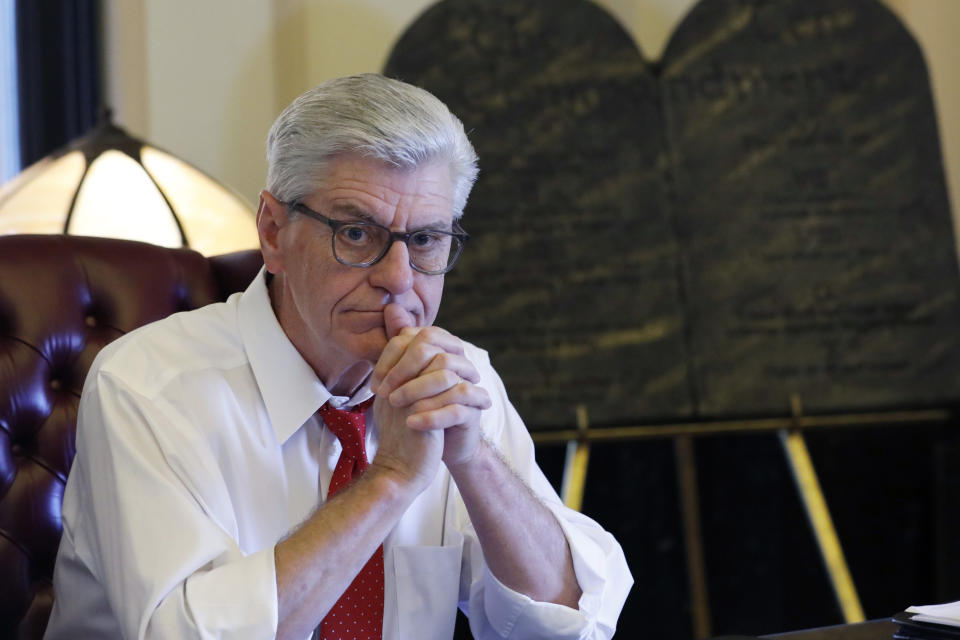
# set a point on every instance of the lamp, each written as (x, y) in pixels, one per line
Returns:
(107, 183)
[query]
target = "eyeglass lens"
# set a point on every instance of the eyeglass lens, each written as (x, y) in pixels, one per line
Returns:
(362, 243)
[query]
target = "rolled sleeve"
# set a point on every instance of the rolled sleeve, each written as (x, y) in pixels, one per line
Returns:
(514, 615)
(602, 574)
(601, 570)
(237, 599)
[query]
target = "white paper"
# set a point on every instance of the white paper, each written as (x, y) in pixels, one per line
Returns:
(947, 613)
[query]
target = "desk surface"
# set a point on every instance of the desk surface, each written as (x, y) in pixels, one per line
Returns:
(873, 630)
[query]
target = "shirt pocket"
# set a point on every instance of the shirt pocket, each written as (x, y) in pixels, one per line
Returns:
(428, 587)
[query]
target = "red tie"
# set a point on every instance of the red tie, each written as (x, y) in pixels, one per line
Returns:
(359, 611)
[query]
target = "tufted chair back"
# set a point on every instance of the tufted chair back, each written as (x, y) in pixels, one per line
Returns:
(62, 298)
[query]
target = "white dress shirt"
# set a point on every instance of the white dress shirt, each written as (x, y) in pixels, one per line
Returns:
(198, 450)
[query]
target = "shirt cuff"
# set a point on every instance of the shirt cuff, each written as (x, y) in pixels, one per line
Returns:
(601, 570)
(513, 614)
(601, 573)
(239, 597)
(589, 560)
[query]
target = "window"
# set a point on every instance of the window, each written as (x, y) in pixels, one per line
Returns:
(9, 112)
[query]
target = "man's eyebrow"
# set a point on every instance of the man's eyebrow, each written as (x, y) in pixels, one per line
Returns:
(439, 225)
(352, 210)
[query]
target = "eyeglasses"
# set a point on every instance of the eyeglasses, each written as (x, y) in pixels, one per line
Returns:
(359, 243)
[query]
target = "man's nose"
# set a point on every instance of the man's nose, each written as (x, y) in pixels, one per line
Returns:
(393, 272)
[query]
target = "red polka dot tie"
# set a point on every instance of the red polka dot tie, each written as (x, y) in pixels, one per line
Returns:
(359, 611)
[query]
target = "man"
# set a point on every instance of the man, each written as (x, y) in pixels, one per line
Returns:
(233, 479)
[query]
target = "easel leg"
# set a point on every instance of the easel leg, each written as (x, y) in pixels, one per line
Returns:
(575, 465)
(805, 477)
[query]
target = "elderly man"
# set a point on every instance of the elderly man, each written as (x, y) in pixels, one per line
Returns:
(313, 456)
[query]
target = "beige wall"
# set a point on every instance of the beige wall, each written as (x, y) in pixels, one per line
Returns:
(205, 79)
(934, 23)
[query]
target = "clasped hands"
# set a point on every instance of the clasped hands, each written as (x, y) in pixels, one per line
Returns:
(427, 405)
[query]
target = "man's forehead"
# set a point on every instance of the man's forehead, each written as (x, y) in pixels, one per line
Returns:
(353, 167)
(369, 189)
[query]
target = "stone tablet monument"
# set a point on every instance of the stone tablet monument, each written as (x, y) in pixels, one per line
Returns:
(764, 215)
(811, 206)
(570, 278)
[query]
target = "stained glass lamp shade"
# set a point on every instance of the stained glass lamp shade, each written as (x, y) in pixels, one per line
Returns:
(110, 184)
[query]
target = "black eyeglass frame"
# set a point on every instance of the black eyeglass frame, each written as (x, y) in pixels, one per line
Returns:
(457, 233)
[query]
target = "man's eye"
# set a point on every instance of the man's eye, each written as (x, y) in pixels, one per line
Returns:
(354, 234)
(426, 239)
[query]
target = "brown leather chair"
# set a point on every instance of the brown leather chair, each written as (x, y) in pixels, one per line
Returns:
(62, 298)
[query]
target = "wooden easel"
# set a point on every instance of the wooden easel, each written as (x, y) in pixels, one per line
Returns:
(790, 430)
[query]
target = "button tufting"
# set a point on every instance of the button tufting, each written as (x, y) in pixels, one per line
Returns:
(90, 321)
(55, 384)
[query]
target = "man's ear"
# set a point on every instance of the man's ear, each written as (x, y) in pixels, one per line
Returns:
(271, 218)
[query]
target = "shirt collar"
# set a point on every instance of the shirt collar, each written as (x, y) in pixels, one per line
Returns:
(291, 390)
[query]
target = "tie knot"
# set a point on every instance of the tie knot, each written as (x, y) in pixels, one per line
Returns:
(350, 428)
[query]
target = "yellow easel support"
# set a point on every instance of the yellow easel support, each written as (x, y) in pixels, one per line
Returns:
(575, 465)
(815, 504)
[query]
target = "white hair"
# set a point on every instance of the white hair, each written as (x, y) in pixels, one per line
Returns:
(372, 116)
